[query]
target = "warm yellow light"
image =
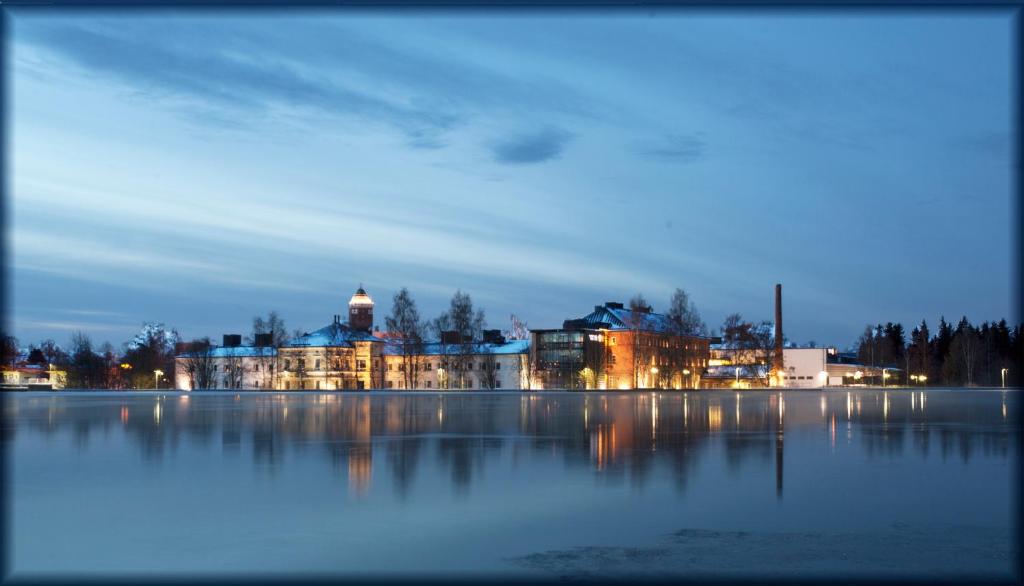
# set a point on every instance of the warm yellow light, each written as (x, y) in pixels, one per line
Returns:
(686, 371)
(654, 370)
(858, 374)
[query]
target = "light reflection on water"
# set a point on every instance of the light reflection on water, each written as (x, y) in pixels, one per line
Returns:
(508, 482)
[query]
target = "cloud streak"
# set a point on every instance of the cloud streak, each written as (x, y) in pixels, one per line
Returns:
(676, 148)
(207, 75)
(532, 147)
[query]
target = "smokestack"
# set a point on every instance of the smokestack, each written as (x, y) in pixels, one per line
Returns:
(777, 365)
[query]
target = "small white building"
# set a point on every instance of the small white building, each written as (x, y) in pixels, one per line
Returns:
(226, 367)
(805, 367)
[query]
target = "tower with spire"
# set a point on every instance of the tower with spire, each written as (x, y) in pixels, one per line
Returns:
(360, 311)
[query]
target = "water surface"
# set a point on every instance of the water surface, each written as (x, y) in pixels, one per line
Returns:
(803, 484)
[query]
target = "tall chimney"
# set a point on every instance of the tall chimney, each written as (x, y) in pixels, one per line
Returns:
(777, 365)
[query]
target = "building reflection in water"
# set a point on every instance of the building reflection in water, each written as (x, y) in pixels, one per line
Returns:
(612, 435)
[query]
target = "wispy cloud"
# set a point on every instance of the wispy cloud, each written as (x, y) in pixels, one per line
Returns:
(68, 325)
(677, 148)
(533, 147)
(207, 74)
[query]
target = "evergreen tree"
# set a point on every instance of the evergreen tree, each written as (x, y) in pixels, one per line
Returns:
(939, 350)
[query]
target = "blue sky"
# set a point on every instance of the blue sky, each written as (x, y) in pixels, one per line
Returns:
(199, 169)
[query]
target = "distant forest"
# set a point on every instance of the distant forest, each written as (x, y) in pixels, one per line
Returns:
(965, 355)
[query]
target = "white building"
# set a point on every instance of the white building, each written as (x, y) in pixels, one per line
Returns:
(227, 367)
(498, 366)
(805, 367)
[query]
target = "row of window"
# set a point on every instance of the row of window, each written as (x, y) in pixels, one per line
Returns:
(454, 385)
(453, 365)
(338, 364)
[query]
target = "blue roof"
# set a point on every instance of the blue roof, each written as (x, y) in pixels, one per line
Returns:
(435, 348)
(237, 352)
(614, 318)
(729, 371)
(333, 335)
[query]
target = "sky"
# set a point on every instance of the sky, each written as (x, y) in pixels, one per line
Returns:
(200, 168)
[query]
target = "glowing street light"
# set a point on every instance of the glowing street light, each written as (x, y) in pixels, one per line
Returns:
(156, 377)
(1003, 374)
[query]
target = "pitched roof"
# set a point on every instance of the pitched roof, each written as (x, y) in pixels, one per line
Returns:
(436, 349)
(334, 335)
(614, 318)
(236, 352)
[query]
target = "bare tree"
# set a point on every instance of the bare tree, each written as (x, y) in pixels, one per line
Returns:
(406, 329)
(638, 310)
(488, 368)
(273, 325)
(441, 326)
(964, 352)
(234, 373)
(683, 315)
(750, 345)
(459, 331)
(200, 364)
(469, 325)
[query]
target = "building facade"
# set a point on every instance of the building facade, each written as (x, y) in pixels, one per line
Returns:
(226, 367)
(491, 365)
(339, 356)
(807, 368)
(617, 348)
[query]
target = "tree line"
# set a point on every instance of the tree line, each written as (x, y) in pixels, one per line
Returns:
(964, 355)
(961, 355)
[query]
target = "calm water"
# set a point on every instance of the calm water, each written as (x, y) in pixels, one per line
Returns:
(756, 483)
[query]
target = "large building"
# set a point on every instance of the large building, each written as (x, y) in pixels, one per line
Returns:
(617, 348)
(337, 356)
(494, 364)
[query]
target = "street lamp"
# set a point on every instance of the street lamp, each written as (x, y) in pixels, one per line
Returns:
(156, 377)
(686, 373)
(885, 375)
(1002, 373)
(737, 376)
